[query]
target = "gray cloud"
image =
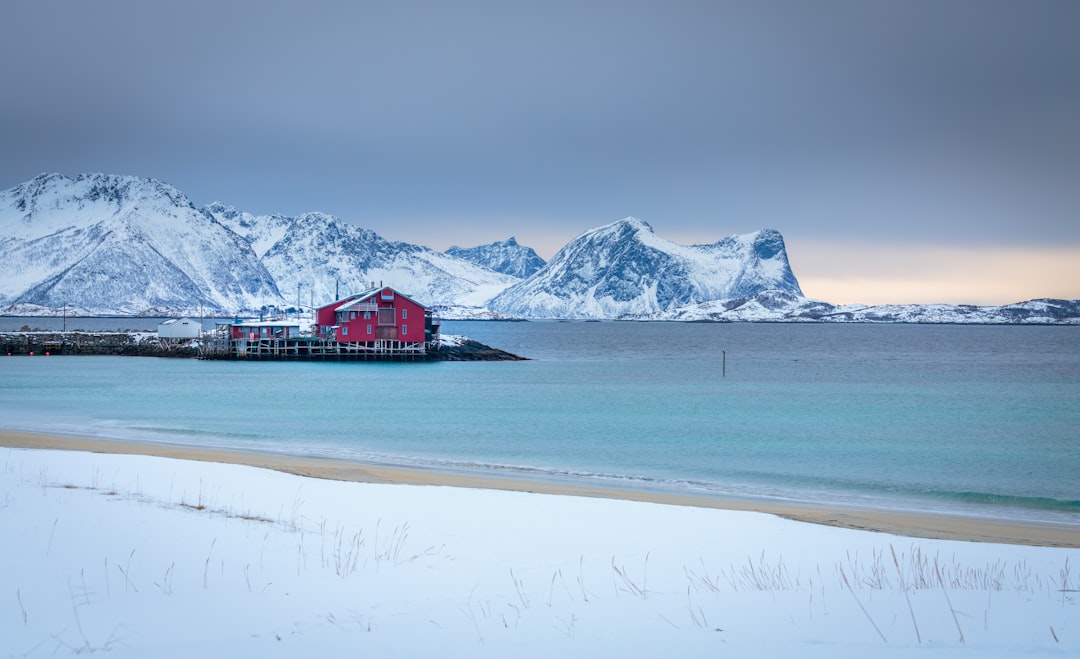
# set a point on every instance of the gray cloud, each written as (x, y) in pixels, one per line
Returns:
(883, 121)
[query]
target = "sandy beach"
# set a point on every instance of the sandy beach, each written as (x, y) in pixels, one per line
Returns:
(895, 522)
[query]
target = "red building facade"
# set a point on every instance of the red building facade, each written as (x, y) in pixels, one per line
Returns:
(379, 315)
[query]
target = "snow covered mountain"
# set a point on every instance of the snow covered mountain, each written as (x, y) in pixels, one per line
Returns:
(1041, 311)
(316, 257)
(102, 244)
(624, 270)
(506, 256)
(120, 244)
(778, 306)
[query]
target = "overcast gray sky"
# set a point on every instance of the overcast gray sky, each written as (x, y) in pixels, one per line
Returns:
(915, 150)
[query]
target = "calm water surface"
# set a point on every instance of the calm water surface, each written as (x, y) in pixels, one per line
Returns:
(982, 419)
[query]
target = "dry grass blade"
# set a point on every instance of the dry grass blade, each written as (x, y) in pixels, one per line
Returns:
(628, 584)
(903, 587)
(859, 602)
(945, 590)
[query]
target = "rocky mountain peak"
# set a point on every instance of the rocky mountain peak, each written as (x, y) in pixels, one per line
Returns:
(624, 269)
(506, 257)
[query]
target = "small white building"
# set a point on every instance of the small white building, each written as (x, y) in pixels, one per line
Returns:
(179, 328)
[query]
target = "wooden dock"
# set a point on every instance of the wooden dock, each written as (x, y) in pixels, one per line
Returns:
(307, 348)
(216, 347)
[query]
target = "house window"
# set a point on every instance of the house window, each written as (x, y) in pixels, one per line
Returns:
(352, 314)
(367, 315)
(404, 329)
(369, 329)
(344, 331)
(404, 314)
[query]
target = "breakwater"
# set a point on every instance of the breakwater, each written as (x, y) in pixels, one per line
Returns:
(92, 343)
(147, 344)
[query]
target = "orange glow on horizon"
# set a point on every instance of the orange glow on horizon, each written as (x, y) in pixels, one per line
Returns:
(928, 275)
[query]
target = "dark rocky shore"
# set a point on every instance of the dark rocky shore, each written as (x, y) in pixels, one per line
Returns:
(148, 345)
(90, 343)
(472, 351)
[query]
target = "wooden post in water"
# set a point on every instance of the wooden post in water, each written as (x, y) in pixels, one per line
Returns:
(723, 368)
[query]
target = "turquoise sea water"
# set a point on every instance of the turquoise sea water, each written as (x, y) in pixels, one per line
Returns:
(980, 419)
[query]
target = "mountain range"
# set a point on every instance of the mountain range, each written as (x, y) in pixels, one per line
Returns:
(506, 256)
(101, 244)
(110, 244)
(325, 258)
(625, 270)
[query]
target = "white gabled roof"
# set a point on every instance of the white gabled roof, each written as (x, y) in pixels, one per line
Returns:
(266, 323)
(360, 298)
(345, 302)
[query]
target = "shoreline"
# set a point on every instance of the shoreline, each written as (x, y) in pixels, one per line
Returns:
(914, 524)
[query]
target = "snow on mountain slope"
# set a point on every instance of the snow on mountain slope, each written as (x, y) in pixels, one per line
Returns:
(261, 231)
(624, 269)
(102, 244)
(121, 244)
(506, 256)
(780, 306)
(1042, 311)
(318, 257)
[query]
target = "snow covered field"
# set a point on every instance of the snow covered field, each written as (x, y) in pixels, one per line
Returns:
(145, 556)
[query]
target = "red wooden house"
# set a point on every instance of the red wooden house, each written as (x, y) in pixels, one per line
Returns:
(380, 316)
